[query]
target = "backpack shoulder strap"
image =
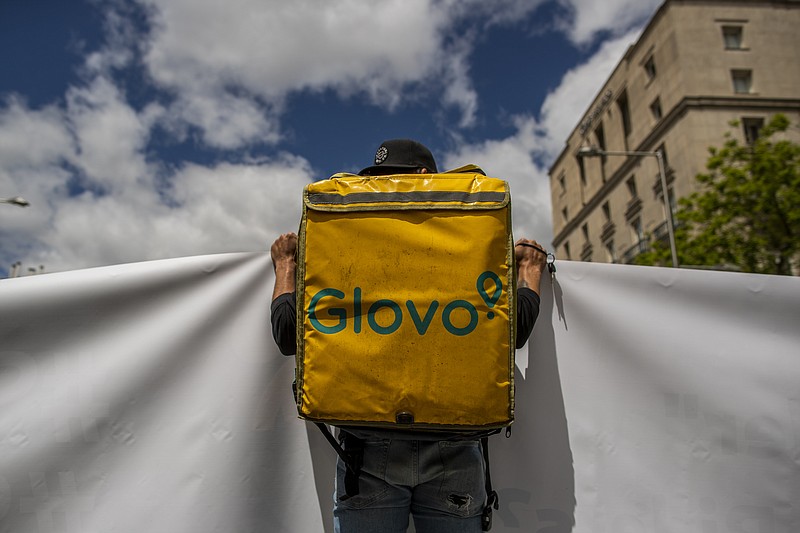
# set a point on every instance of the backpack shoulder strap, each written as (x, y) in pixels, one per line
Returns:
(492, 500)
(352, 454)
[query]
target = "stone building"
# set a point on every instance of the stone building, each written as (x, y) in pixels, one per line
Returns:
(698, 65)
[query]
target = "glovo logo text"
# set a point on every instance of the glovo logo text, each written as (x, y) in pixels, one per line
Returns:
(422, 318)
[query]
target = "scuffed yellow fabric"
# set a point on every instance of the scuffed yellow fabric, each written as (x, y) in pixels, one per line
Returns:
(406, 308)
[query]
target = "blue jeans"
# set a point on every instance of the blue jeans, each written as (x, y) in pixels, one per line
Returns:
(440, 483)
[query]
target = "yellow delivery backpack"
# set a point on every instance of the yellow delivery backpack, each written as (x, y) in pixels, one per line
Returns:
(406, 302)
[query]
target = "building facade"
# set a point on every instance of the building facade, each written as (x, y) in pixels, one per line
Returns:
(698, 65)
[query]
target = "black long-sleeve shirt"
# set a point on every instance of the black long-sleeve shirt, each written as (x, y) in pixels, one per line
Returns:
(284, 319)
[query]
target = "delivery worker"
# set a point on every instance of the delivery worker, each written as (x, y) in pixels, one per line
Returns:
(437, 477)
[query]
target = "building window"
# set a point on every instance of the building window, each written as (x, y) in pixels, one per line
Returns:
(742, 81)
(650, 68)
(600, 135)
(611, 256)
(582, 171)
(625, 113)
(606, 212)
(565, 214)
(562, 183)
(636, 230)
(673, 204)
(655, 109)
(585, 231)
(631, 183)
(752, 127)
(732, 36)
(567, 253)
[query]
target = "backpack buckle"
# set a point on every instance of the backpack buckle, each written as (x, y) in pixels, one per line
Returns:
(404, 418)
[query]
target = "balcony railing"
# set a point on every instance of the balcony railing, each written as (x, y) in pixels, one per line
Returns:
(661, 232)
(608, 231)
(630, 254)
(633, 208)
(586, 252)
(669, 177)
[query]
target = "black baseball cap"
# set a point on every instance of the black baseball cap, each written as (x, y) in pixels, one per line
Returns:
(399, 155)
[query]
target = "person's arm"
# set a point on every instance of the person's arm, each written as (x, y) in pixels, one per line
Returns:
(284, 301)
(283, 252)
(530, 266)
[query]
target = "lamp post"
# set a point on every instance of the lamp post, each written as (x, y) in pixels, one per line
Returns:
(594, 151)
(17, 200)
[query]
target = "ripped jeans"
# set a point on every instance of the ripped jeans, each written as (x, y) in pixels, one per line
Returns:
(440, 483)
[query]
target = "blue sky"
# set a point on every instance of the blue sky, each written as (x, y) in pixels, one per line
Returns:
(151, 129)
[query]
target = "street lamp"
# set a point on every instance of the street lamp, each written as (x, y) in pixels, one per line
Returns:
(594, 151)
(17, 200)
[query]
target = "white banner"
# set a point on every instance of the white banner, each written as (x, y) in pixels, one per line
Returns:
(150, 397)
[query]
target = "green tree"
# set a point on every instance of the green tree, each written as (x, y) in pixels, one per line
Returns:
(746, 212)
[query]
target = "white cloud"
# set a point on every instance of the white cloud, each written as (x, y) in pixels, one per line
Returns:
(211, 53)
(30, 138)
(497, 12)
(123, 214)
(217, 209)
(458, 86)
(229, 68)
(523, 158)
(512, 159)
(588, 18)
(109, 134)
(273, 47)
(226, 121)
(231, 64)
(241, 206)
(564, 106)
(33, 146)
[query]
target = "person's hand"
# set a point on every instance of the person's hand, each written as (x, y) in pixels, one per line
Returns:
(530, 263)
(283, 250)
(527, 256)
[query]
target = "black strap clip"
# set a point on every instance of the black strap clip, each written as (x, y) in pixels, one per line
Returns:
(486, 517)
(551, 258)
(551, 263)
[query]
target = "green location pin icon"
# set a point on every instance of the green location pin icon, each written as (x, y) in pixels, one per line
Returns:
(498, 289)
